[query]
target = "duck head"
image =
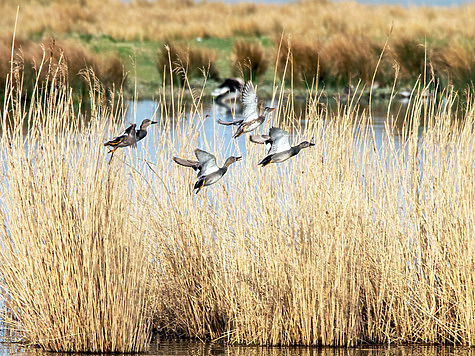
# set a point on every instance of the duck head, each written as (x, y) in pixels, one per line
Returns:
(267, 110)
(146, 123)
(231, 160)
(306, 144)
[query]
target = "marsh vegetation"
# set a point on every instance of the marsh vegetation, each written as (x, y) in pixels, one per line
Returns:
(344, 244)
(347, 243)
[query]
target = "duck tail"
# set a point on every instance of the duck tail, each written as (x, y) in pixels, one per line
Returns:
(198, 185)
(265, 161)
(238, 133)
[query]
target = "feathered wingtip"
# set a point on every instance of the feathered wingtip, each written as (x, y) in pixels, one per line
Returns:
(260, 139)
(227, 123)
(186, 162)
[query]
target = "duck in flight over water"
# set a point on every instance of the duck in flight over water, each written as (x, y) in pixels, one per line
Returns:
(252, 120)
(129, 137)
(206, 168)
(278, 146)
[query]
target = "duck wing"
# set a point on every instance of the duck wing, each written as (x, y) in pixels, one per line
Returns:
(249, 101)
(116, 141)
(123, 137)
(227, 123)
(188, 163)
(260, 139)
(280, 141)
(207, 162)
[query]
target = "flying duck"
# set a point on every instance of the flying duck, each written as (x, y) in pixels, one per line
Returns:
(278, 146)
(230, 89)
(127, 138)
(207, 171)
(252, 119)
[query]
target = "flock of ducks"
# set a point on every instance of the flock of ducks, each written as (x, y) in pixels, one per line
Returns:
(277, 141)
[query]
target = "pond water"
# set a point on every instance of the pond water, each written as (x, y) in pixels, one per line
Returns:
(196, 348)
(209, 129)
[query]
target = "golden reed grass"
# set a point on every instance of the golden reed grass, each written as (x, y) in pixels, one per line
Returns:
(74, 275)
(349, 242)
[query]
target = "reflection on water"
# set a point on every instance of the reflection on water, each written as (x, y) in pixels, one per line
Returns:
(201, 349)
(196, 348)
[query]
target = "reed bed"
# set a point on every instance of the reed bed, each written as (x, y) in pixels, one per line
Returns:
(347, 243)
(73, 274)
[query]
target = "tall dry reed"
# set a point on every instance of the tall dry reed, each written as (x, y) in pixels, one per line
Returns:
(349, 242)
(74, 275)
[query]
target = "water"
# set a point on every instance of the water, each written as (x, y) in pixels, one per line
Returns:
(196, 348)
(209, 129)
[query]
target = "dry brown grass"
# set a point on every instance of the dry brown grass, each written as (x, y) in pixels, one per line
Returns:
(73, 274)
(249, 60)
(412, 56)
(186, 62)
(351, 59)
(346, 243)
(303, 61)
(64, 59)
(338, 62)
(352, 32)
(161, 20)
(455, 63)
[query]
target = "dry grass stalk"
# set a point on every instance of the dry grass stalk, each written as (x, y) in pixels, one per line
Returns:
(73, 275)
(249, 60)
(345, 243)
